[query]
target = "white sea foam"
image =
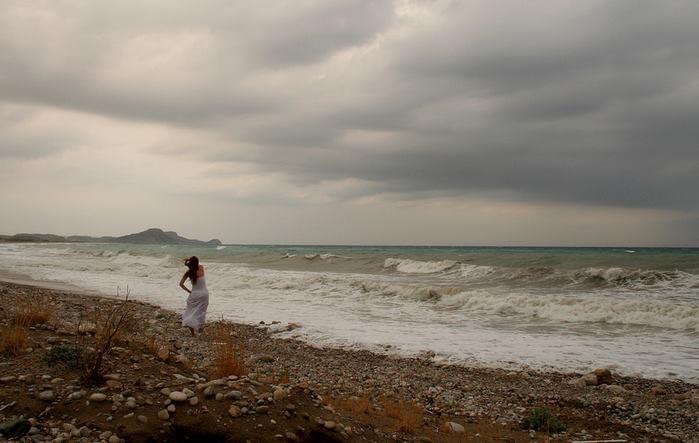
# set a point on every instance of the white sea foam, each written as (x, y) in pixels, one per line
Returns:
(325, 256)
(464, 312)
(409, 266)
(570, 309)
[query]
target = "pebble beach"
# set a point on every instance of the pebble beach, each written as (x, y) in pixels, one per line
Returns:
(295, 391)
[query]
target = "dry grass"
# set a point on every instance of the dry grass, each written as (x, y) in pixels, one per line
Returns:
(32, 311)
(13, 339)
(356, 405)
(408, 415)
(115, 323)
(230, 352)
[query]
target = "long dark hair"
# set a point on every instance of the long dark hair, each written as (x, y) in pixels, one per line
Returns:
(193, 264)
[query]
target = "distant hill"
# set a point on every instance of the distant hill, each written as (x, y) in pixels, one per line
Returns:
(153, 236)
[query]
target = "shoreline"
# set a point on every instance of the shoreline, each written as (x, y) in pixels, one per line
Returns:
(276, 328)
(636, 407)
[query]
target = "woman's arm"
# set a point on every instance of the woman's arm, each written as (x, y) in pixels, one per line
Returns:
(184, 279)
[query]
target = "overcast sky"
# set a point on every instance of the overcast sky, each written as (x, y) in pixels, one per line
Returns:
(365, 122)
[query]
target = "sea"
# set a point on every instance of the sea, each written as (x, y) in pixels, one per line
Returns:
(634, 310)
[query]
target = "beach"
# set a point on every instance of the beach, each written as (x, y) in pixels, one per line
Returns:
(324, 383)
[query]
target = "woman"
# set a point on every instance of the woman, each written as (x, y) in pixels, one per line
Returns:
(197, 302)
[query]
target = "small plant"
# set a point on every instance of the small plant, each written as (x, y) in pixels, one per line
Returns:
(33, 311)
(109, 327)
(540, 419)
(70, 356)
(408, 415)
(356, 405)
(230, 352)
(13, 338)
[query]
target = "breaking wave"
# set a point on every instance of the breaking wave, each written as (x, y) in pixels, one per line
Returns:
(546, 276)
(595, 309)
(409, 266)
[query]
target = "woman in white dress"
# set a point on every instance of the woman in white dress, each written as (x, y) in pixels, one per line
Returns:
(198, 301)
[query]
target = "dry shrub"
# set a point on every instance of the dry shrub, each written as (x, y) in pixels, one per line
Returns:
(113, 324)
(356, 405)
(32, 311)
(408, 415)
(13, 338)
(230, 352)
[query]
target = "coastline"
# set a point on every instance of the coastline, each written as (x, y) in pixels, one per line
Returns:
(486, 401)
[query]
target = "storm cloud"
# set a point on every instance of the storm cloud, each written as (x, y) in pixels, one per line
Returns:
(581, 104)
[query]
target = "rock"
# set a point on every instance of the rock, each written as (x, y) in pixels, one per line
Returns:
(657, 389)
(589, 379)
(84, 431)
(604, 376)
(114, 439)
(329, 424)
(142, 419)
(188, 392)
(163, 414)
(262, 409)
(450, 426)
(193, 401)
(105, 435)
(616, 389)
(131, 403)
(234, 411)
(166, 391)
(163, 353)
(178, 396)
(98, 397)
(46, 396)
(8, 379)
(112, 377)
(113, 385)
(219, 396)
(579, 382)
(280, 394)
(209, 391)
(291, 436)
(14, 428)
(235, 395)
(171, 409)
(264, 358)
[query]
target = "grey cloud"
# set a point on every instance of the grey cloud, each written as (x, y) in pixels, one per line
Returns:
(585, 102)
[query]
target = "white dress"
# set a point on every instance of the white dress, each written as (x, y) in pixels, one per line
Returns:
(197, 302)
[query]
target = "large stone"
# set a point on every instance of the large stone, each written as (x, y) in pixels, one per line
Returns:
(280, 394)
(98, 397)
(657, 389)
(163, 353)
(113, 385)
(450, 426)
(178, 396)
(234, 395)
(15, 428)
(163, 414)
(604, 376)
(234, 411)
(46, 395)
(590, 379)
(193, 401)
(616, 389)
